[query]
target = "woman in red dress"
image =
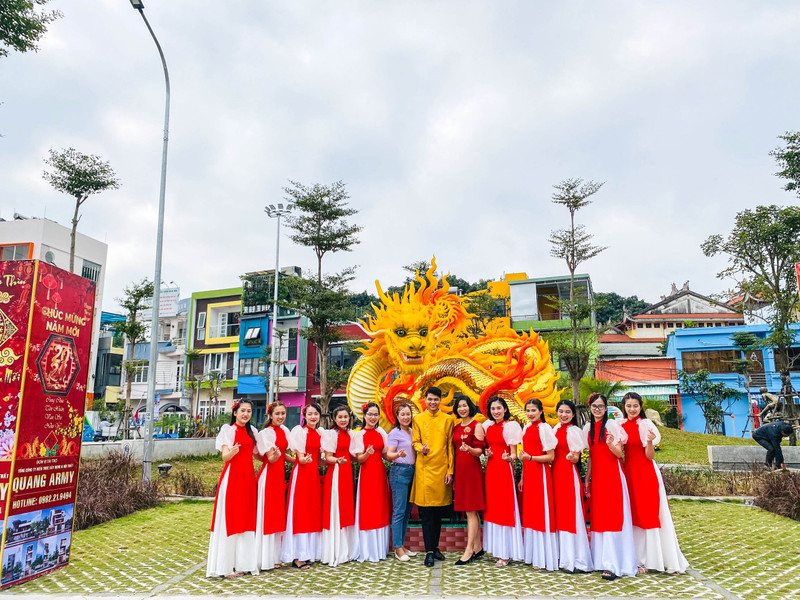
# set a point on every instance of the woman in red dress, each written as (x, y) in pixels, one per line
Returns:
(273, 441)
(338, 506)
(613, 551)
(654, 535)
(372, 502)
(302, 542)
(502, 530)
(232, 545)
(538, 515)
(574, 553)
(469, 443)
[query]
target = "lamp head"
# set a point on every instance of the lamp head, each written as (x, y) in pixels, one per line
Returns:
(137, 4)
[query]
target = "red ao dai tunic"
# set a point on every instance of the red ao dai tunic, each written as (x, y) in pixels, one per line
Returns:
(271, 522)
(232, 544)
(654, 534)
(574, 553)
(373, 501)
(302, 540)
(538, 515)
(502, 530)
(611, 524)
(468, 473)
(339, 536)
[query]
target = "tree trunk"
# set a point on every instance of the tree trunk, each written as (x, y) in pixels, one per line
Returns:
(324, 394)
(576, 390)
(72, 236)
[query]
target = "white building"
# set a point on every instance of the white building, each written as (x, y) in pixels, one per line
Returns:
(171, 358)
(38, 238)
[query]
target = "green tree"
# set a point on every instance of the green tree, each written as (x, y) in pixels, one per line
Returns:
(134, 301)
(788, 159)
(322, 223)
(327, 306)
(574, 245)
(762, 249)
(590, 385)
(710, 397)
(192, 379)
(745, 342)
(22, 26)
(483, 307)
(611, 307)
(78, 175)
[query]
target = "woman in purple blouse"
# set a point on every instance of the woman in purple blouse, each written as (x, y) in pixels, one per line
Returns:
(402, 455)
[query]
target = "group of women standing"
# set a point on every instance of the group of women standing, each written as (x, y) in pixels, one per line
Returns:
(261, 522)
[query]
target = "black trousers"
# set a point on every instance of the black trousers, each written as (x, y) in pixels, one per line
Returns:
(431, 517)
(773, 450)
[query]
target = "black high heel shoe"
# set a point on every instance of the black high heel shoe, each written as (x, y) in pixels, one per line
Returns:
(460, 562)
(477, 555)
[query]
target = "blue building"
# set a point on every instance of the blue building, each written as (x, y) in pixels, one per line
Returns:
(712, 349)
(255, 335)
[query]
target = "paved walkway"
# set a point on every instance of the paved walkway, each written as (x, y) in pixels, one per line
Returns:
(736, 552)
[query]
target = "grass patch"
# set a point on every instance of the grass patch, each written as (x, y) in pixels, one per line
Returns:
(689, 448)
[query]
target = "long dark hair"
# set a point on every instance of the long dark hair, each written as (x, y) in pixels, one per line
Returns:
(538, 404)
(592, 398)
(632, 396)
(236, 407)
(397, 409)
(570, 405)
(336, 411)
(270, 409)
(493, 400)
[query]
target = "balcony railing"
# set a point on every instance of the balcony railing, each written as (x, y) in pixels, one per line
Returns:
(216, 331)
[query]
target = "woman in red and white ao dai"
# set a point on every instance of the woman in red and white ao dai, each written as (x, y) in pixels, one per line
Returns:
(654, 535)
(232, 544)
(273, 441)
(373, 513)
(538, 515)
(574, 553)
(302, 542)
(613, 551)
(339, 535)
(502, 528)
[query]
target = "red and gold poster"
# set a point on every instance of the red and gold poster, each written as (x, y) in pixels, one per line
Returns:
(45, 339)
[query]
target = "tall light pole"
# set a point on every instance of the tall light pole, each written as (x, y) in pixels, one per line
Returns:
(147, 459)
(275, 212)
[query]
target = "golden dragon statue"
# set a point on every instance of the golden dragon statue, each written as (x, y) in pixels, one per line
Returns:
(420, 338)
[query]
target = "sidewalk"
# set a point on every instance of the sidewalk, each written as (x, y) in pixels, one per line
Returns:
(161, 553)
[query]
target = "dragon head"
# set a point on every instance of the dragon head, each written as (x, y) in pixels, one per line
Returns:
(408, 327)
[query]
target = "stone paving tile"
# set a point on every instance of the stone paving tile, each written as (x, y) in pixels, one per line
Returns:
(750, 553)
(517, 579)
(388, 577)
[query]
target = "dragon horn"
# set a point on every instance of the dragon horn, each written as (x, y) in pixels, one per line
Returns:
(384, 298)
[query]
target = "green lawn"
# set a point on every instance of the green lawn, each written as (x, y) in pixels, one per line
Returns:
(684, 447)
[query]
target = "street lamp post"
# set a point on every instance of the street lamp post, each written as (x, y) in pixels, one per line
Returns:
(275, 212)
(147, 459)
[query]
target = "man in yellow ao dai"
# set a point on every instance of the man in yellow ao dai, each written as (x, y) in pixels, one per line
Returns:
(432, 491)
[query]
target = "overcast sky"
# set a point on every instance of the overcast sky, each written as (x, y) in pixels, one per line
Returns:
(449, 122)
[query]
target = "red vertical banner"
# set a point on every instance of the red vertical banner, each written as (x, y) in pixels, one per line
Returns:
(40, 502)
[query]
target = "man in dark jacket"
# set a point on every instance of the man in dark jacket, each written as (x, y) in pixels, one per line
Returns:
(770, 436)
